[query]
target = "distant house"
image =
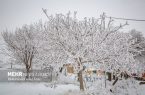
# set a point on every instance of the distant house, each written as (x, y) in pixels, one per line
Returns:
(70, 69)
(90, 71)
(143, 76)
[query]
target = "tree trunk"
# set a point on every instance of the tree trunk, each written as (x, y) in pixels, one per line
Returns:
(11, 65)
(27, 71)
(80, 76)
(28, 67)
(105, 79)
(109, 76)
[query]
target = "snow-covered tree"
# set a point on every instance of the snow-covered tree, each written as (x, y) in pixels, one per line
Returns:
(138, 47)
(139, 42)
(90, 41)
(22, 45)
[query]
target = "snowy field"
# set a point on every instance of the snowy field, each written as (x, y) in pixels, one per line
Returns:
(60, 89)
(68, 87)
(35, 89)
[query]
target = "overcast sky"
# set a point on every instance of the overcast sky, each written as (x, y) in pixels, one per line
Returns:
(15, 13)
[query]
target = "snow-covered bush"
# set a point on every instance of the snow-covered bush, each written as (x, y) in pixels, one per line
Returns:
(127, 87)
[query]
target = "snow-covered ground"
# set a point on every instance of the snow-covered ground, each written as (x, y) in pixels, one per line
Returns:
(66, 89)
(68, 86)
(35, 89)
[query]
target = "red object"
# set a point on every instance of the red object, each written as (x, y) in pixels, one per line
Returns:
(143, 75)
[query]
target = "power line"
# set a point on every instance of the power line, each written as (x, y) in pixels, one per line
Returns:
(126, 19)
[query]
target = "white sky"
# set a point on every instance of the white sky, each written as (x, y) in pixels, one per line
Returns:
(15, 13)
